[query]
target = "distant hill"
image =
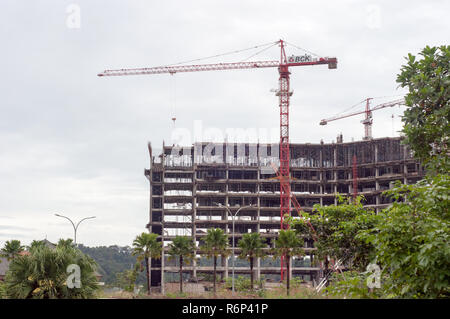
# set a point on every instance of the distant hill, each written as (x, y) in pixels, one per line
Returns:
(112, 260)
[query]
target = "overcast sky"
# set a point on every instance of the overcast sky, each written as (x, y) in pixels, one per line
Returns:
(76, 144)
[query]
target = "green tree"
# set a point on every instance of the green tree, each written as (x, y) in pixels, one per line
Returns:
(336, 228)
(42, 274)
(184, 248)
(127, 279)
(288, 244)
(251, 246)
(35, 244)
(11, 249)
(146, 246)
(65, 242)
(426, 119)
(411, 240)
(215, 245)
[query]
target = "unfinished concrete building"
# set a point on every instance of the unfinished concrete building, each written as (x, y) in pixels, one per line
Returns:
(188, 185)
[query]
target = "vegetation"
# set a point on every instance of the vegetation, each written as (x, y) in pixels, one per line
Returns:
(426, 120)
(42, 274)
(336, 228)
(127, 279)
(11, 249)
(215, 245)
(184, 248)
(112, 260)
(411, 240)
(287, 244)
(146, 246)
(251, 247)
(35, 244)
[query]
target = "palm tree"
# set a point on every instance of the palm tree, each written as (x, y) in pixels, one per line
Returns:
(216, 243)
(184, 248)
(66, 243)
(288, 244)
(12, 249)
(35, 244)
(251, 247)
(146, 246)
(42, 274)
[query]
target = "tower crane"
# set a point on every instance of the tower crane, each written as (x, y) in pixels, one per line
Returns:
(283, 93)
(368, 120)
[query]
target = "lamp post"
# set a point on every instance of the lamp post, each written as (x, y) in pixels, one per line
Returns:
(73, 224)
(232, 247)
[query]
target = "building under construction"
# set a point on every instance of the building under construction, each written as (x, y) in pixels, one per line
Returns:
(189, 187)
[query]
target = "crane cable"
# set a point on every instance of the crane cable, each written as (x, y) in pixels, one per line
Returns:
(307, 51)
(377, 97)
(260, 51)
(226, 53)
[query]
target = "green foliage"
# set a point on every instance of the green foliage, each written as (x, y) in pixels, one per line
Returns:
(112, 260)
(336, 228)
(427, 116)
(35, 244)
(43, 274)
(176, 295)
(251, 246)
(215, 243)
(65, 242)
(127, 279)
(411, 239)
(182, 247)
(288, 244)
(147, 246)
(11, 249)
(243, 283)
(351, 284)
(3, 294)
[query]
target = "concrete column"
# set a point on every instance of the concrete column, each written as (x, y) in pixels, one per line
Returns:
(162, 224)
(225, 261)
(335, 192)
(194, 217)
(350, 186)
(258, 203)
(163, 291)
(405, 168)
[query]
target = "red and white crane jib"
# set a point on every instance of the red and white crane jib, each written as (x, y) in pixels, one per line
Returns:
(215, 66)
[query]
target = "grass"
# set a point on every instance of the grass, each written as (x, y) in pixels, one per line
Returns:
(298, 291)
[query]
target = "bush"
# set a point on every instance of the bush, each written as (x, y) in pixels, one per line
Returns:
(43, 274)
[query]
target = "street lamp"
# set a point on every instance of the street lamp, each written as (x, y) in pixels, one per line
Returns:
(232, 247)
(74, 227)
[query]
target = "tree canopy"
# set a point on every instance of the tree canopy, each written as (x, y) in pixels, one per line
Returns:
(43, 274)
(426, 119)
